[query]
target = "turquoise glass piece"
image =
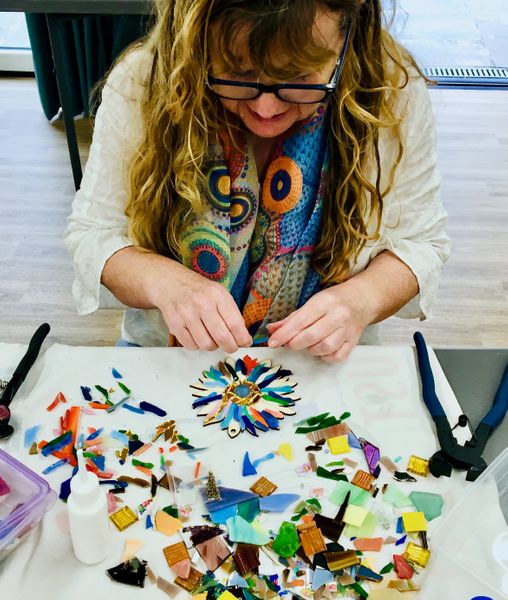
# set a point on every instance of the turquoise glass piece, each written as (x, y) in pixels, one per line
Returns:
(248, 533)
(393, 495)
(249, 509)
(287, 541)
(358, 497)
(221, 516)
(431, 505)
(31, 435)
(277, 502)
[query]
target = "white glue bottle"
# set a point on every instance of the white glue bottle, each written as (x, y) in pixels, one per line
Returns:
(88, 516)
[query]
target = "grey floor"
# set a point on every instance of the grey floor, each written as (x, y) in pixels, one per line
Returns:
(440, 33)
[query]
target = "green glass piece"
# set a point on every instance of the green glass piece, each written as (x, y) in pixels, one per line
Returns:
(315, 504)
(430, 504)
(287, 541)
(249, 509)
(344, 416)
(396, 497)
(359, 590)
(322, 472)
(366, 529)
(386, 569)
(103, 391)
(335, 463)
(358, 497)
(312, 420)
(171, 511)
(140, 463)
(123, 387)
(328, 422)
(183, 439)
(248, 533)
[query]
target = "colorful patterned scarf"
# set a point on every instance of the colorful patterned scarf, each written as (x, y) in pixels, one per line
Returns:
(257, 239)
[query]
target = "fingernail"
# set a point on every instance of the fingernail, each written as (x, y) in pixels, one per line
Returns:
(272, 343)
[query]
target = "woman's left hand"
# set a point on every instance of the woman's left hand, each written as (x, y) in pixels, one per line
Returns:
(328, 325)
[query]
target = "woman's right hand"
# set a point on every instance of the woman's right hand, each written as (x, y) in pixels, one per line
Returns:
(199, 312)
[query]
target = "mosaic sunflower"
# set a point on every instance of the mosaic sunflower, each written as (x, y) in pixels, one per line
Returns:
(245, 394)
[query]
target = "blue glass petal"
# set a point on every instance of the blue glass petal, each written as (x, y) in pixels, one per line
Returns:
(116, 374)
(229, 417)
(285, 389)
(206, 400)
(249, 426)
(272, 421)
(240, 366)
(257, 371)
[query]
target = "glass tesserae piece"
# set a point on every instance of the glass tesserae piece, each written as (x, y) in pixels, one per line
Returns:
(416, 555)
(245, 395)
(418, 466)
(123, 518)
(263, 487)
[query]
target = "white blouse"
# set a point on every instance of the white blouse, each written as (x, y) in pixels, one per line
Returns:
(413, 225)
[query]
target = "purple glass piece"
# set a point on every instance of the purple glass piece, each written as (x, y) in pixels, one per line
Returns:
(372, 455)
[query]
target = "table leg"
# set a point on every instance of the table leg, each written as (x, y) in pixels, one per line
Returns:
(58, 50)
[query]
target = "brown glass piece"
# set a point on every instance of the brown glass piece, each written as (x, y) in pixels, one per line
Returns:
(341, 560)
(311, 538)
(202, 533)
(246, 558)
(167, 587)
(342, 510)
(213, 552)
(263, 487)
(312, 461)
(175, 553)
(191, 582)
(363, 480)
(143, 483)
(321, 435)
(330, 528)
(388, 464)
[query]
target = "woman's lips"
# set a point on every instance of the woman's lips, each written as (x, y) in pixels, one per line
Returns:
(273, 119)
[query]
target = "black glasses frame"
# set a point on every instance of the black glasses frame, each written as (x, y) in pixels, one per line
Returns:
(327, 88)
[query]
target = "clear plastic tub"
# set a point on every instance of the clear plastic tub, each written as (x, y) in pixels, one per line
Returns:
(474, 534)
(28, 498)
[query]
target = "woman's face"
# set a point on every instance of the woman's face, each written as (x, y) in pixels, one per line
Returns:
(267, 116)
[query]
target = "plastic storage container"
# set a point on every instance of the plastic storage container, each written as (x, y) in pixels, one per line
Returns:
(474, 535)
(21, 508)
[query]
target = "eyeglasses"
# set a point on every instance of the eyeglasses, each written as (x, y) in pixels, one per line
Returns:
(287, 92)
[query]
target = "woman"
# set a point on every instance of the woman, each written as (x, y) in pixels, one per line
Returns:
(261, 172)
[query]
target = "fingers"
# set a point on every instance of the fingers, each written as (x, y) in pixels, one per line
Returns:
(293, 325)
(184, 337)
(341, 354)
(201, 335)
(220, 333)
(313, 335)
(233, 319)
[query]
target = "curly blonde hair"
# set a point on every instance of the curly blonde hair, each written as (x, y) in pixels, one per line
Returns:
(167, 182)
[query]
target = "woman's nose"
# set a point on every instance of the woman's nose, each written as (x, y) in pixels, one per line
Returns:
(267, 106)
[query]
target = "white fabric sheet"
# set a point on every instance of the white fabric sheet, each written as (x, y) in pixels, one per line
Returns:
(378, 385)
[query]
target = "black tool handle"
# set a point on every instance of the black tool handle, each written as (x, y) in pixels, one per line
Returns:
(25, 364)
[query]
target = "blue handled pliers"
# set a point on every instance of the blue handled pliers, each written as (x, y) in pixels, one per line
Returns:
(453, 454)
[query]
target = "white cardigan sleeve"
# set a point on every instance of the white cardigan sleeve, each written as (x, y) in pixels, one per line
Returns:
(98, 226)
(414, 220)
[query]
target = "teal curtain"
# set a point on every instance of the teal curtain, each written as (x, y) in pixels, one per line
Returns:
(92, 42)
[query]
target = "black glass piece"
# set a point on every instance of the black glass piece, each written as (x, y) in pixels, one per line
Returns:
(153, 486)
(403, 476)
(135, 445)
(131, 572)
